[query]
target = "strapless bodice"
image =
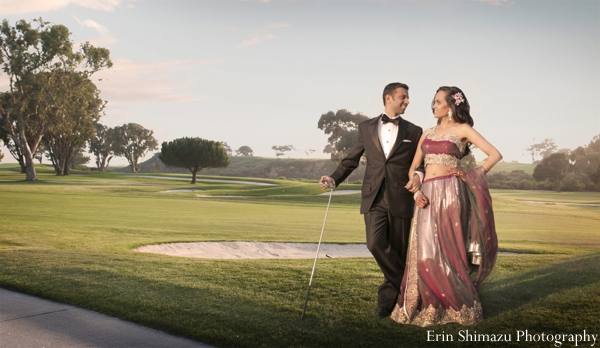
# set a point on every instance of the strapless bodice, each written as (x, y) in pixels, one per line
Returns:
(442, 148)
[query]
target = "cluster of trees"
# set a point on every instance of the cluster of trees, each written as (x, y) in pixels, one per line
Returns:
(571, 170)
(53, 108)
(559, 170)
(50, 95)
(130, 140)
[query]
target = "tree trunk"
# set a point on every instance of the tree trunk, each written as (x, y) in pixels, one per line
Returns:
(194, 172)
(30, 174)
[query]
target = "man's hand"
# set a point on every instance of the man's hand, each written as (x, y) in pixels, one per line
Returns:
(414, 184)
(421, 200)
(326, 180)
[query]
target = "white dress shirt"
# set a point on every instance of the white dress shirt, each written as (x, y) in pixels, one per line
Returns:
(387, 135)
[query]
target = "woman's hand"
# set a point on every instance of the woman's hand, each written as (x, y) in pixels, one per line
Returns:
(421, 200)
(457, 172)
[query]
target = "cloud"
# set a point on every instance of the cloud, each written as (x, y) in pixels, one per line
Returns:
(262, 35)
(498, 2)
(141, 82)
(10, 7)
(91, 24)
(256, 40)
(104, 40)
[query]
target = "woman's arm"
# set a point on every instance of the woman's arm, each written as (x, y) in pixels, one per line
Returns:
(418, 159)
(474, 137)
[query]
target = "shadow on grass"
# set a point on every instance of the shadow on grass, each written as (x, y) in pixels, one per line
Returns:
(258, 303)
(506, 293)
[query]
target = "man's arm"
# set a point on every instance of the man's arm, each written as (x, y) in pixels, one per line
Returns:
(348, 164)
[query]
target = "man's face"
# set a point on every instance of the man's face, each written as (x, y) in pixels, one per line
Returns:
(398, 101)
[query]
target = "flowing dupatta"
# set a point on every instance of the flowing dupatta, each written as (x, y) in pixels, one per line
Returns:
(482, 227)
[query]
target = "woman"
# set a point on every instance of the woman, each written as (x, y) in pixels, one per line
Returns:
(453, 230)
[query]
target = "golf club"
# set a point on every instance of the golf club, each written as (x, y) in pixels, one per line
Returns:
(318, 247)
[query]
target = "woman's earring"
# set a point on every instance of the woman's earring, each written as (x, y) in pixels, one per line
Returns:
(450, 115)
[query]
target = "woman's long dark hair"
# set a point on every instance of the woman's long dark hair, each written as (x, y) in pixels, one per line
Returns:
(461, 113)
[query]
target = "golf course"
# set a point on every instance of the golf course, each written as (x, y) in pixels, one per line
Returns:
(71, 239)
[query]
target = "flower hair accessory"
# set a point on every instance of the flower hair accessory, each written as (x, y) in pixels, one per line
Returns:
(458, 98)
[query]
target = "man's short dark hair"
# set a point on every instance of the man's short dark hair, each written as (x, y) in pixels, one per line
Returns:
(389, 89)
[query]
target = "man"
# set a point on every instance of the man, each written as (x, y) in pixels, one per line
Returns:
(389, 143)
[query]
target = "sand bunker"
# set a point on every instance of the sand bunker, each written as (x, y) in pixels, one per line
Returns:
(260, 250)
(256, 250)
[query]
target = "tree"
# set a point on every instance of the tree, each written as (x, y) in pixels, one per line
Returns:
(1, 156)
(227, 148)
(244, 151)
(552, 168)
(194, 154)
(79, 159)
(586, 161)
(80, 112)
(543, 149)
(133, 141)
(281, 150)
(102, 146)
(343, 129)
(309, 152)
(34, 59)
(12, 148)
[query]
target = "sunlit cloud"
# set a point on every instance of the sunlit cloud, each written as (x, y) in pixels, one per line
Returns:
(262, 35)
(498, 2)
(10, 7)
(141, 82)
(104, 40)
(92, 24)
(256, 40)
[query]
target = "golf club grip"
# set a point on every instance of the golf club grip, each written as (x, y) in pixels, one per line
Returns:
(305, 302)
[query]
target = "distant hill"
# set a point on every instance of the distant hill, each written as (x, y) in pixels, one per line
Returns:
(290, 168)
(510, 166)
(257, 167)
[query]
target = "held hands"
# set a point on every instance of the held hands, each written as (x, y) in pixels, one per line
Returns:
(414, 184)
(326, 182)
(457, 172)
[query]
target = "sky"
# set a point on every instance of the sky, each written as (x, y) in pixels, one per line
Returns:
(261, 73)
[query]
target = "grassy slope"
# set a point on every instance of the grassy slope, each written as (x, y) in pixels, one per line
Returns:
(70, 239)
(309, 168)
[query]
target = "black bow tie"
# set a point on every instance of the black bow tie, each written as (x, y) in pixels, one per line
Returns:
(385, 119)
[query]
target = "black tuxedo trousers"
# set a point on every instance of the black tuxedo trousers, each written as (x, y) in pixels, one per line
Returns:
(386, 204)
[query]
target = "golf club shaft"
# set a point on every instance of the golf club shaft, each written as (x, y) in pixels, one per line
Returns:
(316, 256)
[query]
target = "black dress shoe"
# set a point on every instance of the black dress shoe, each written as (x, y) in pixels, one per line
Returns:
(383, 313)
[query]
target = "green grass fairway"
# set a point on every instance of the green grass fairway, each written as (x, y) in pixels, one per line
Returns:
(70, 239)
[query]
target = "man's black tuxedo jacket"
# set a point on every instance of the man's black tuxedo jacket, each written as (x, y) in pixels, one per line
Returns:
(394, 168)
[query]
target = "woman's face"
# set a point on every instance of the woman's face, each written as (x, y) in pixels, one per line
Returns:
(440, 106)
